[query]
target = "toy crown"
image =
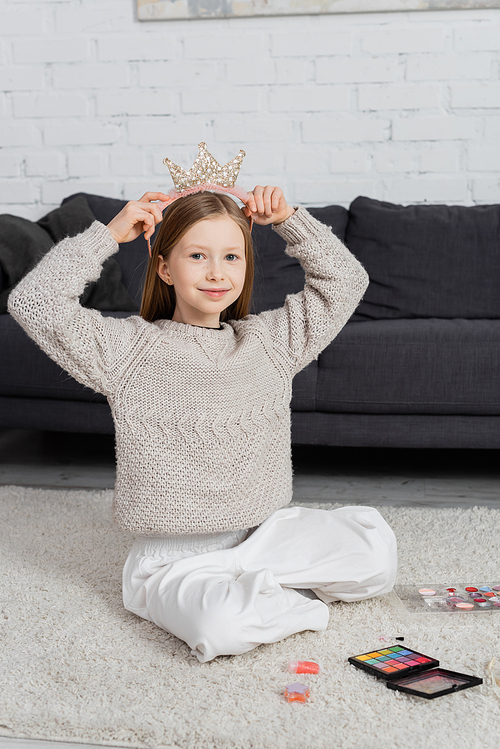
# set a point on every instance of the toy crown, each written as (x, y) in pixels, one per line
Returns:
(205, 174)
(205, 171)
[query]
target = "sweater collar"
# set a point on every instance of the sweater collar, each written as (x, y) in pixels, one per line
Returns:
(185, 330)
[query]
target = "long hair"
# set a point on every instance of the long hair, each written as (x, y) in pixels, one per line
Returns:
(158, 298)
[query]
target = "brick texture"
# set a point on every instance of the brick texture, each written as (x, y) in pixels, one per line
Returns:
(402, 107)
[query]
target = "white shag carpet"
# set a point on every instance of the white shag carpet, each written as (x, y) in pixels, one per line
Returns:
(75, 666)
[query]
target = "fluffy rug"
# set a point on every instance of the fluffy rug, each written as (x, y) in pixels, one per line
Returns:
(75, 666)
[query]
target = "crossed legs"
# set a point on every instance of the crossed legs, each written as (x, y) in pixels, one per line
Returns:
(231, 600)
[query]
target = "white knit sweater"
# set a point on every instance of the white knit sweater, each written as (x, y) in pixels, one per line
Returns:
(202, 415)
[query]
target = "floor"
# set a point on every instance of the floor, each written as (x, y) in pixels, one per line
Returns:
(437, 478)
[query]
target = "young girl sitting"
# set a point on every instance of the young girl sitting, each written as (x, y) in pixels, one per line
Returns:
(200, 394)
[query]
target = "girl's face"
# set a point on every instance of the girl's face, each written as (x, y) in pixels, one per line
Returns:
(210, 256)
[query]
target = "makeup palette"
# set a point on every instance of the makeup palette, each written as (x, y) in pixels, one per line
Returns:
(408, 671)
(393, 662)
(450, 598)
(434, 683)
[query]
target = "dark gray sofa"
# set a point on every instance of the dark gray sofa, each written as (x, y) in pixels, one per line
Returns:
(418, 364)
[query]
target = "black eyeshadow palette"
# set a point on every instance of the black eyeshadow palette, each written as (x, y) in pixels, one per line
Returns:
(394, 662)
(434, 683)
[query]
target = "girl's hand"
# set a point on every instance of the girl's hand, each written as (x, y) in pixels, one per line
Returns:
(267, 205)
(138, 216)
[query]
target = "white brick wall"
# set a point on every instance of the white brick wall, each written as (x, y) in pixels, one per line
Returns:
(402, 107)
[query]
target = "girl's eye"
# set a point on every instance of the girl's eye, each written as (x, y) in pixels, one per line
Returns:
(198, 254)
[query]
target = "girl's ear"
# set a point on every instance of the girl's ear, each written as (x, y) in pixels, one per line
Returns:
(162, 270)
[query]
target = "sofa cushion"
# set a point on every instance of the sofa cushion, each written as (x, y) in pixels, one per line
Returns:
(108, 292)
(428, 366)
(133, 256)
(23, 243)
(28, 372)
(276, 274)
(426, 260)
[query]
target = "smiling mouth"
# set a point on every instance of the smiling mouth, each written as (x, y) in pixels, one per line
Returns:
(214, 292)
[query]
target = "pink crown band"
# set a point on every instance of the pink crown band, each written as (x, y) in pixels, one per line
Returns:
(237, 191)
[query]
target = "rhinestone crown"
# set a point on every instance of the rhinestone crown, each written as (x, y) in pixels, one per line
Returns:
(205, 170)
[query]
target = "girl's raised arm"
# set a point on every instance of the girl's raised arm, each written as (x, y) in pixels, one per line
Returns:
(335, 282)
(90, 346)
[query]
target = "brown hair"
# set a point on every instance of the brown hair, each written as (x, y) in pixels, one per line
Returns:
(158, 297)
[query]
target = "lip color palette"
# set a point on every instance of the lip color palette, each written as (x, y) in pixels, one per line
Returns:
(393, 662)
(455, 599)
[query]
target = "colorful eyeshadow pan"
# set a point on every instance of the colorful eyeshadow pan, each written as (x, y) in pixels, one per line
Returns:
(434, 683)
(391, 662)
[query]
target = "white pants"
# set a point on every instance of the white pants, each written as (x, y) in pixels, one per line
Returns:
(225, 594)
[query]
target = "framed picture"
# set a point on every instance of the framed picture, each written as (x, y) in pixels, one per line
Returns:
(158, 10)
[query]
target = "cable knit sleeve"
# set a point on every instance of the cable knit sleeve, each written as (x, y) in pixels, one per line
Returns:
(335, 284)
(46, 305)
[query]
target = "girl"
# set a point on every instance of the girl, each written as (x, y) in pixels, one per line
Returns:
(200, 395)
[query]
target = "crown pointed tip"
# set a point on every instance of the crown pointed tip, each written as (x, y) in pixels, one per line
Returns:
(205, 170)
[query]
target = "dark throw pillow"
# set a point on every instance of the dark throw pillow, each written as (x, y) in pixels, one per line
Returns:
(276, 273)
(426, 260)
(23, 243)
(22, 246)
(133, 256)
